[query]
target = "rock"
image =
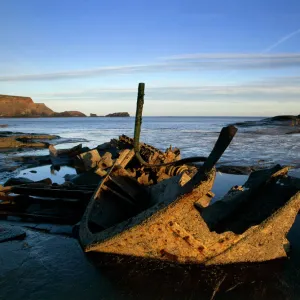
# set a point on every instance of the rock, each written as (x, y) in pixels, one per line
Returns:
(237, 170)
(33, 171)
(3, 125)
(93, 115)
(10, 140)
(32, 161)
(8, 233)
(293, 132)
(118, 114)
(68, 114)
(284, 120)
(17, 106)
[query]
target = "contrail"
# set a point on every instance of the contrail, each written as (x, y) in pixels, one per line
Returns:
(279, 42)
(282, 40)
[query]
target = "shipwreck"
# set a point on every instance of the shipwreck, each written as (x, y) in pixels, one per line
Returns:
(173, 220)
(132, 200)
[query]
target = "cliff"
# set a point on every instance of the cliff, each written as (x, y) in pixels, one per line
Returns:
(16, 106)
(13, 106)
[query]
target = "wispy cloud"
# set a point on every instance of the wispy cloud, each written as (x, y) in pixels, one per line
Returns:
(234, 56)
(182, 63)
(270, 88)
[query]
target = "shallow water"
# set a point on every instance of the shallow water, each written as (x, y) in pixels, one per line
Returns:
(39, 173)
(193, 135)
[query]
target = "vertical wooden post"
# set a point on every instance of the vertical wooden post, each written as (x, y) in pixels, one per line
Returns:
(138, 116)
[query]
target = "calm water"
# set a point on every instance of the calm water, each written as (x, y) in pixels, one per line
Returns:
(193, 135)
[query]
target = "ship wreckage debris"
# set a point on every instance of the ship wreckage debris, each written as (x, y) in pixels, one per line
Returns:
(130, 199)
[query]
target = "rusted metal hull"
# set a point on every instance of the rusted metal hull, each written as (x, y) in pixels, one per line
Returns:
(152, 233)
(176, 232)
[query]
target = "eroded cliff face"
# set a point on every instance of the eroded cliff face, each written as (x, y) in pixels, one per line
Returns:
(16, 106)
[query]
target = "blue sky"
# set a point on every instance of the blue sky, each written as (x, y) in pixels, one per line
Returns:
(196, 57)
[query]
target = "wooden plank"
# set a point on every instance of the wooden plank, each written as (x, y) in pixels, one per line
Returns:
(42, 218)
(52, 192)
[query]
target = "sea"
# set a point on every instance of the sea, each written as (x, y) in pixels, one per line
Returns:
(53, 266)
(192, 135)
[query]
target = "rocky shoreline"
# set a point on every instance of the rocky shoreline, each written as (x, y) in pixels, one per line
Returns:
(12, 140)
(283, 124)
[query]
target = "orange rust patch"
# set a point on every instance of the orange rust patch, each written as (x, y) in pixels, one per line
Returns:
(200, 248)
(168, 255)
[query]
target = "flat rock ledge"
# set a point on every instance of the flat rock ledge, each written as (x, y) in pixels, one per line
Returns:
(9, 233)
(11, 140)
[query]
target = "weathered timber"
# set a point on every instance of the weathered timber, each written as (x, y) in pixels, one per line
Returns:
(225, 138)
(90, 159)
(52, 192)
(40, 217)
(25, 181)
(22, 202)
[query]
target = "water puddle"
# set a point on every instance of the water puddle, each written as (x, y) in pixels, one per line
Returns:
(224, 182)
(39, 173)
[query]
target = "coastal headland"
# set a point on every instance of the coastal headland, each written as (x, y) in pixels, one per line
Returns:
(25, 107)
